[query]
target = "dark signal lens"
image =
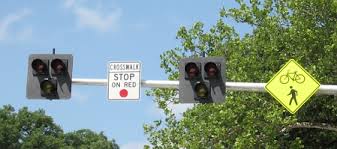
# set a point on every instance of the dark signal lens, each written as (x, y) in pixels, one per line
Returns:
(192, 70)
(39, 66)
(58, 66)
(47, 87)
(201, 90)
(211, 70)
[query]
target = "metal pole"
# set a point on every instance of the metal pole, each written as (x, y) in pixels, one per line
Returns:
(230, 86)
(94, 82)
(160, 84)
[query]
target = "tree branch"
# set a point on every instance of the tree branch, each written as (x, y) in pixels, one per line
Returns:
(324, 126)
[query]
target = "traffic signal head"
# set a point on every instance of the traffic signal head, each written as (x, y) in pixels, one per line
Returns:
(202, 80)
(49, 76)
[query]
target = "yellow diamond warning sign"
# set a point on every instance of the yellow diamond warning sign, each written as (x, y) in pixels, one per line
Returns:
(292, 86)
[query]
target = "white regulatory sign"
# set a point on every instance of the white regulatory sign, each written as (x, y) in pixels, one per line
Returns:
(124, 80)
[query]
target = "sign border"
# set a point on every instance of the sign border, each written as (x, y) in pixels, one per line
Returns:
(140, 80)
(313, 92)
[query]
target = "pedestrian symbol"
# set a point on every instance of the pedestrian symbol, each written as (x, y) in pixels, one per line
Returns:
(292, 86)
(293, 94)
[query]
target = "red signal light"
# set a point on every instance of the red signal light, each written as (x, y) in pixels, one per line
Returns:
(211, 70)
(192, 70)
(58, 66)
(39, 66)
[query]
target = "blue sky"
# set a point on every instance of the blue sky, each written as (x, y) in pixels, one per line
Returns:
(96, 32)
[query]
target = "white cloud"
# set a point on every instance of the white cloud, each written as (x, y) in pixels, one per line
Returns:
(94, 18)
(69, 3)
(80, 97)
(25, 34)
(133, 145)
(9, 20)
(177, 109)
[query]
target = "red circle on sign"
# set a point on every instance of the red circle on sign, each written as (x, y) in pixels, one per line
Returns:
(123, 93)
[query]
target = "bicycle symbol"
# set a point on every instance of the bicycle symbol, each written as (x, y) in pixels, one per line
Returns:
(299, 78)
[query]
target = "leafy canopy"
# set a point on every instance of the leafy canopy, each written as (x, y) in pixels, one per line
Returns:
(304, 30)
(25, 129)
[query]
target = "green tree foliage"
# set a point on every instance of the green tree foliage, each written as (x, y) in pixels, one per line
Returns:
(26, 129)
(304, 30)
(86, 138)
